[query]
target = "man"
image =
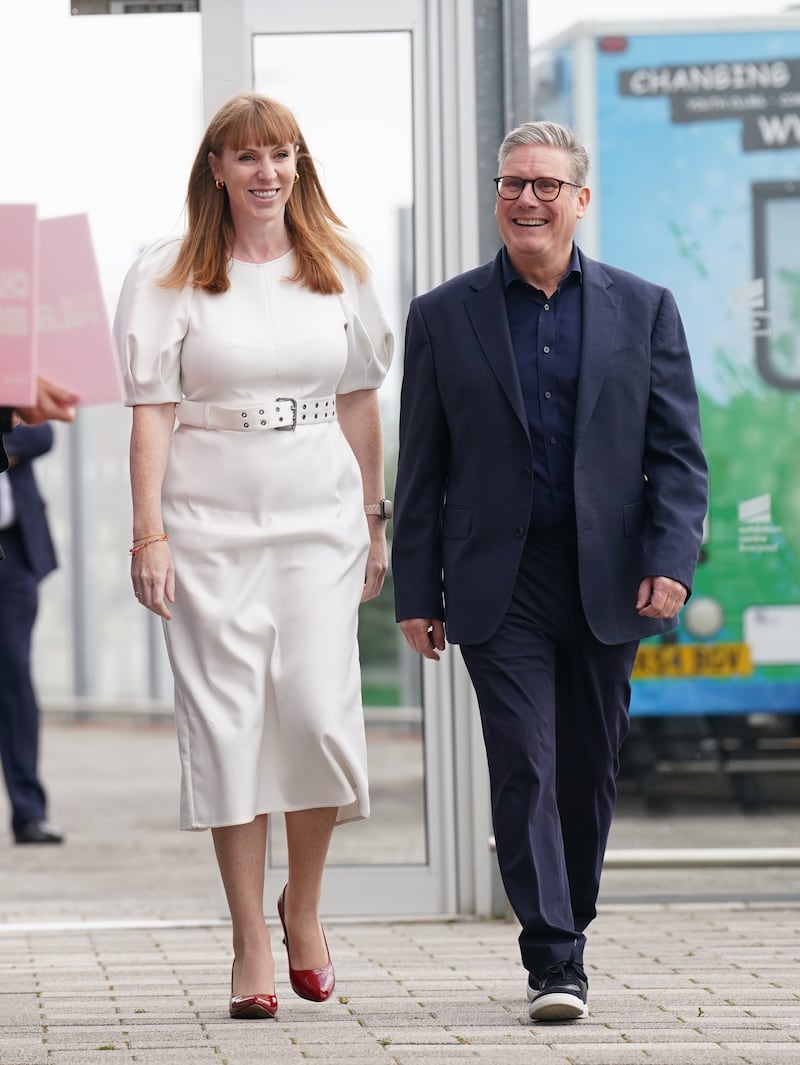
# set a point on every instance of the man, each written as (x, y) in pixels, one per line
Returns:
(6, 424)
(550, 497)
(51, 402)
(30, 556)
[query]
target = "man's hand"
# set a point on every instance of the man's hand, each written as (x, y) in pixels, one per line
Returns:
(424, 635)
(660, 597)
(52, 403)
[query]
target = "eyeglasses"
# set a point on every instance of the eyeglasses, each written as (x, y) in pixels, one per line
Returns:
(544, 188)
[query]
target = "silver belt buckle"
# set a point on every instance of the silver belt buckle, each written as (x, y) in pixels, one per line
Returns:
(293, 425)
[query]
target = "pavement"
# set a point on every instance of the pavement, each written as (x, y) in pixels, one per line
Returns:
(113, 948)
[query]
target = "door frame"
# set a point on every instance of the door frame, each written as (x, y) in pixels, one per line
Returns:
(458, 876)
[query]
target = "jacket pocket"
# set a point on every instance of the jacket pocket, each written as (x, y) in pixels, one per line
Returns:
(456, 522)
(633, 516)
(627, 359)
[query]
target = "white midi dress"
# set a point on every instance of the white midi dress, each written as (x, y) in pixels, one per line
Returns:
(267, 531)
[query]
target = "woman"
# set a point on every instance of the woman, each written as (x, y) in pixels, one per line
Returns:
(255, 545)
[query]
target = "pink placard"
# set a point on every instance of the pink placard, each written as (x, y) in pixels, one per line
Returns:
(76, 348)
(18, 281)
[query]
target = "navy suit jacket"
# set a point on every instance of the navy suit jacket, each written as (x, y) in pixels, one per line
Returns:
(463, 499)
(5, 425)
(25, 443)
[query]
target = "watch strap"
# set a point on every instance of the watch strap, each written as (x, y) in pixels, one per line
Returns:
(381, 509)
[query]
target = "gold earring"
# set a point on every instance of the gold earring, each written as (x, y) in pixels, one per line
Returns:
(219, 184)
(296, 177)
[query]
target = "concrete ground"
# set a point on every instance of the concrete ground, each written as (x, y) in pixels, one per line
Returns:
(113, 949)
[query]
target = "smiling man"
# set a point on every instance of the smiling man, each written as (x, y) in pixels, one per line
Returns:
(551, 490)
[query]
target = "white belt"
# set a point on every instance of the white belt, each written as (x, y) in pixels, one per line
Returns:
(279, 413)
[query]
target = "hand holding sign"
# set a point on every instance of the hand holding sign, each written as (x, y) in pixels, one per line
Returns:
(52, 404)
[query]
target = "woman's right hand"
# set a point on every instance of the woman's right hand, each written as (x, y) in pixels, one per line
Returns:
(152, 570)
(153, 577)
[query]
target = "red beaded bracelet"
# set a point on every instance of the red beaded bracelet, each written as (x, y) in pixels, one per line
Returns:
(137, 547)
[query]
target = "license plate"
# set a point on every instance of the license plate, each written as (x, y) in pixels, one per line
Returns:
(692, 660)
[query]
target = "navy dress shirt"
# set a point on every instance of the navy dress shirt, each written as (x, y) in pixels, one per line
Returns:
(546, 338)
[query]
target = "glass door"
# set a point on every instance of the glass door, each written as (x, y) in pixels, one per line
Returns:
(351, 87)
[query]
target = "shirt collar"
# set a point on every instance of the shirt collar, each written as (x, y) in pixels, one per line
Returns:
(510, 275)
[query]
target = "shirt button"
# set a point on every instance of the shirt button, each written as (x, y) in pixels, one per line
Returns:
(548, 395)
(546, 350)
(547, 306)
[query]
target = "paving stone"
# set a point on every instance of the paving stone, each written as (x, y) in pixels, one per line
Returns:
(671, 983)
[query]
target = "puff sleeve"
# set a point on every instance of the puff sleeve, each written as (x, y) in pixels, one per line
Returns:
(149, 326)
(370, 343)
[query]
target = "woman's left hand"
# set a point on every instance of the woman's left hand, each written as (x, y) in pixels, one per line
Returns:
(377, 563)
(360, 420)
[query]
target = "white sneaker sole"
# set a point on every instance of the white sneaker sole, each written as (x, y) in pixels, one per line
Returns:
(558, 1007)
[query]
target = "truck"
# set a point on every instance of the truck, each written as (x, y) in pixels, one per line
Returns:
(693, 128)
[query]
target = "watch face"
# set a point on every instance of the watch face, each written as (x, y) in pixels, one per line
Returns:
(386, 508)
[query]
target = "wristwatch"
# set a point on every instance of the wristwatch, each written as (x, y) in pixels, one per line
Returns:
(383, 509)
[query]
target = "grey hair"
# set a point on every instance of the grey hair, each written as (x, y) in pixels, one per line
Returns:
(550, 135)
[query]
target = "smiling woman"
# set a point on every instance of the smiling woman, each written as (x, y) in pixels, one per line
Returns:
(259, 181)
(254, 546)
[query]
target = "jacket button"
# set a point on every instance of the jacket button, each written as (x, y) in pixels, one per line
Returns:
(525, 471)
(519, 532)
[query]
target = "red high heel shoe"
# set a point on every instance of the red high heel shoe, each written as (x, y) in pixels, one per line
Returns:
(315, 985)
(251, 1007)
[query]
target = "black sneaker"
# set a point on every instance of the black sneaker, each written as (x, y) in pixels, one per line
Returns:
(38, 832)
(560, 995)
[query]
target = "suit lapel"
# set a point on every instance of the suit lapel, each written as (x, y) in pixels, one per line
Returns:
(600, 315)
(486, 309)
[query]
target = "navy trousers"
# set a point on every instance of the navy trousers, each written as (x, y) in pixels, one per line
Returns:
(554, 710)
(19, 710)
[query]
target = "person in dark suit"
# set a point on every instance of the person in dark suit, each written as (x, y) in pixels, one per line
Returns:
(52, 401)
(6, 424)
(30, 556)
(551, 491)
